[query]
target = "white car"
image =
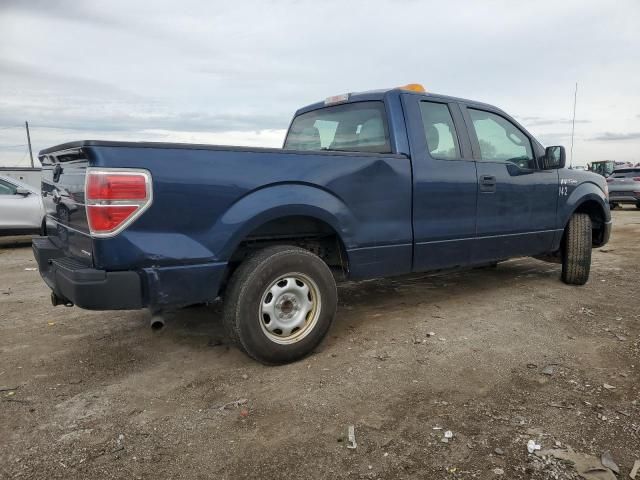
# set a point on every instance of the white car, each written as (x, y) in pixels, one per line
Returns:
(21, 208)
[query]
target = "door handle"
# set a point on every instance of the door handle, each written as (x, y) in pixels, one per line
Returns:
(487, 183)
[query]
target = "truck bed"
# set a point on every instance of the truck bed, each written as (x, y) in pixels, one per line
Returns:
(208, 198)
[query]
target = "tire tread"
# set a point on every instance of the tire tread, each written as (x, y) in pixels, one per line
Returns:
(576, 257)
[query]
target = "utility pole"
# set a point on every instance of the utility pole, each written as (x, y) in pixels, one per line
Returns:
(26, 124)
(573, 124)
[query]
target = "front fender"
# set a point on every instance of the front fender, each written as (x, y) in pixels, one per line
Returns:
(276, 201)
(584, 192)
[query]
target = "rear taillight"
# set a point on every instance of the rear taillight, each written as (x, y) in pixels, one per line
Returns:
(609, 180)
(636, 179)
(115, 198)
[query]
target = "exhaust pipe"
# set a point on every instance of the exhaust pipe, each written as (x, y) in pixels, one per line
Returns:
(156, 323)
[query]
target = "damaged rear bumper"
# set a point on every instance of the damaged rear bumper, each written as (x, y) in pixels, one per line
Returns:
(73, 282)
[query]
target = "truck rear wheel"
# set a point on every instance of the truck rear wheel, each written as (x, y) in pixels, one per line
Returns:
(280, 304)
(576, 254)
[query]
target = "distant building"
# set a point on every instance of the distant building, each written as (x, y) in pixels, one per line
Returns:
(28, 175)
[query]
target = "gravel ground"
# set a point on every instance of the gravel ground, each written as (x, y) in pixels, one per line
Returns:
(496, 356)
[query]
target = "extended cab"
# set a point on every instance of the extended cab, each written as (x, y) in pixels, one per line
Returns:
(367, 185)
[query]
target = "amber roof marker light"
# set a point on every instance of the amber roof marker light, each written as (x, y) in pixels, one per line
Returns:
(413, 87)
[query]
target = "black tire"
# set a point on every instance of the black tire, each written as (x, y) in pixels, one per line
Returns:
(613, 206)
(576, 254)
(247, 288)
(638, 205)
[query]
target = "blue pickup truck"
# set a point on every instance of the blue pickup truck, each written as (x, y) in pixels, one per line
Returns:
(369, 184)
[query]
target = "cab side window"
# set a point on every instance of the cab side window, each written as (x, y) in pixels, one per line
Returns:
(442, 140)
(350, 127)
(6, 188)
(500, 140)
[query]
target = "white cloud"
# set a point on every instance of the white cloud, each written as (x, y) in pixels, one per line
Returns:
(217, 72)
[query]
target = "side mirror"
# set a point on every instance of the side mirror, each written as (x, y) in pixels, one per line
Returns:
(554, 158)
(22, 191)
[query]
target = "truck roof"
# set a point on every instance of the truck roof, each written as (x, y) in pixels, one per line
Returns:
(382, 93)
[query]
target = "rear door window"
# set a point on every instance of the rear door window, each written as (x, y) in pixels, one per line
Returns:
(351, 127)
(442, 140)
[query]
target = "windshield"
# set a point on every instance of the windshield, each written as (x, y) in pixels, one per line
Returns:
(352, 127)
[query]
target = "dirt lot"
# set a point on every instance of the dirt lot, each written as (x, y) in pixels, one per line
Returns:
(516, 355)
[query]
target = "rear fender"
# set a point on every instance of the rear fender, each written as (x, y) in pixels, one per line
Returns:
(277, 201)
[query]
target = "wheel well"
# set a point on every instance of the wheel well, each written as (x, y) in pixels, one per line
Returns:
(596, 213)
(309, 233)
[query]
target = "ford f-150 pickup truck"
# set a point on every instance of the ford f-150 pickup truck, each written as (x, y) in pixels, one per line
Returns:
(367, 185)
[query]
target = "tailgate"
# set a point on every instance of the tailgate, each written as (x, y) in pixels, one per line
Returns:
(63, 180)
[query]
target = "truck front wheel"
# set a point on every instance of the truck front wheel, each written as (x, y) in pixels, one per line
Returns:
(280, 304)
(576, 252)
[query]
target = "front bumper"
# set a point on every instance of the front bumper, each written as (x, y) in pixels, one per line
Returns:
(84, 286)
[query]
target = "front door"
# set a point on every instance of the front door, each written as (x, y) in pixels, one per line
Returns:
(517, 201)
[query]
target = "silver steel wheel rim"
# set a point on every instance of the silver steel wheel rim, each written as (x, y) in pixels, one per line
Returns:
(289, 308)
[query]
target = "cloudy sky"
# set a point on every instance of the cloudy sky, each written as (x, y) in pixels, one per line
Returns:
(233, 72)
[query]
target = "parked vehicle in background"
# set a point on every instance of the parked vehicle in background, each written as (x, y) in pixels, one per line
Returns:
(606, 167)
(21, 208)
(624, 187)
(603, 167)
(369, 184)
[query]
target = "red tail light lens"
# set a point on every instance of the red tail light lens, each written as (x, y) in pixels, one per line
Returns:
(636, 179)
(609, 180)
(108, 218)
(115, 198)
(116, 186)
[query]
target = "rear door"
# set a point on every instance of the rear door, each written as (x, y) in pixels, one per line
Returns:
(517, 201)
(63, 178)
(444, 183)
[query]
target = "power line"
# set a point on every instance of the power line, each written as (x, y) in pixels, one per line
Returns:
(23, 157)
